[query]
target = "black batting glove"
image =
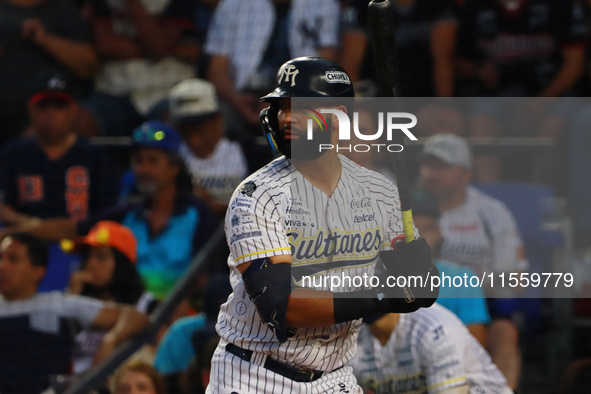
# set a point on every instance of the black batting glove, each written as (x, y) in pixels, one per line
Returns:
(413, 262)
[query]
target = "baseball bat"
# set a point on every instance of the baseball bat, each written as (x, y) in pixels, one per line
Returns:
(381, 19)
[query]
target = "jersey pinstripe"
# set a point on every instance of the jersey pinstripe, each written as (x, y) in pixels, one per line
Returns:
(276, 211)
(428, 351)
(482, 234)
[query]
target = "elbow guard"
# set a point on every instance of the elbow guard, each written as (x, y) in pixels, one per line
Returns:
(269, 286)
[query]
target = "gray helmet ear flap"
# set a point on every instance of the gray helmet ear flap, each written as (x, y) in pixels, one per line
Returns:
(270, 126)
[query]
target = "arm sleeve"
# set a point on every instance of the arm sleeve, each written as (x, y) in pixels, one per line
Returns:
(83, 309)
(441, 354)
(218, 40)
(254, 227)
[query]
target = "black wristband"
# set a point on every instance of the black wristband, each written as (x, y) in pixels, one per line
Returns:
(355, 305)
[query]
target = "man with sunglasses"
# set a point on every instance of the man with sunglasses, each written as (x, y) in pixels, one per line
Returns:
(169, 222)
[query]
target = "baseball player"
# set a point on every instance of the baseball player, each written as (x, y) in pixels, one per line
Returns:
(427, 351)
(317, 215)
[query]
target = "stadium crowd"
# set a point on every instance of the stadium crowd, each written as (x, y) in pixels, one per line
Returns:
(95, 234)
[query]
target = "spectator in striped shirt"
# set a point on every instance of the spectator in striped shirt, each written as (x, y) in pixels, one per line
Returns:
(216, 164)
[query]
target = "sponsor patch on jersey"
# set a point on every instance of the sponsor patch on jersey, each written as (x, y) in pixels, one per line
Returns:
(246, 235)
(245, 204)
(336, 77)
(248, 188)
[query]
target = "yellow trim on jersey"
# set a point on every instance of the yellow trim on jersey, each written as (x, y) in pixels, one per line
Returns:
(261, 252)
(448, 381)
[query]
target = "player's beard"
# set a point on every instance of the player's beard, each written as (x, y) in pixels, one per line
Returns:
(303, 149)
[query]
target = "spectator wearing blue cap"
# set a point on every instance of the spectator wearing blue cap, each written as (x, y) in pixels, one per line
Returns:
(169, 222)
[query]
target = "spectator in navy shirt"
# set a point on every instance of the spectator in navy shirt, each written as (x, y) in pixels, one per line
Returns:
(169, 223)
(55, 173)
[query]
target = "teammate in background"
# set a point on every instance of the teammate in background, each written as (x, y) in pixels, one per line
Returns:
(425, 41)
(479, 232)
(467, 303)
(35, 329)
(275, 338)
(109, 256)
(216, 164)
(427, 351)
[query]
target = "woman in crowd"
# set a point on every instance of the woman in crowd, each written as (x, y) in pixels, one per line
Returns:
(107, 272)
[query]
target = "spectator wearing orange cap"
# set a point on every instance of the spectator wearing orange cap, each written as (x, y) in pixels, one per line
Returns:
(108, 273)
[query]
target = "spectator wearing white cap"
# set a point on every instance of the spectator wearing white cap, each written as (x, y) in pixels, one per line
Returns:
(479, 232)
(216, 164)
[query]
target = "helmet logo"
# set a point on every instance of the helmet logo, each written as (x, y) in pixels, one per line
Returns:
(336, 77)
(288, 72)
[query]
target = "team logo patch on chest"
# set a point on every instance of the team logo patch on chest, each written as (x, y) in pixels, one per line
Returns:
(248, 188)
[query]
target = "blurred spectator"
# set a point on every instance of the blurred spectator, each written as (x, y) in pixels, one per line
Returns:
(425, 41)
(478, 231)
(36, 335)
(249, 41)
(216, 164)
(427, 351)
(55, 173)
(138, 377)
(521, 47)
(109, 255)
(148, 47)
(467, 303)
(169, 223)
(188, 336)
(37, 36)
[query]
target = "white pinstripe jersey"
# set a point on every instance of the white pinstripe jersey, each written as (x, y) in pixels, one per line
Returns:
(428, 351)
(276, 211)
(482, 234)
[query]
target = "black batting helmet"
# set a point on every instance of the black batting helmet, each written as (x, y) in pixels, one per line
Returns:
(302, 77)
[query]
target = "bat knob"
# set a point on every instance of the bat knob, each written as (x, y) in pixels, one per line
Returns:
(397, 241)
